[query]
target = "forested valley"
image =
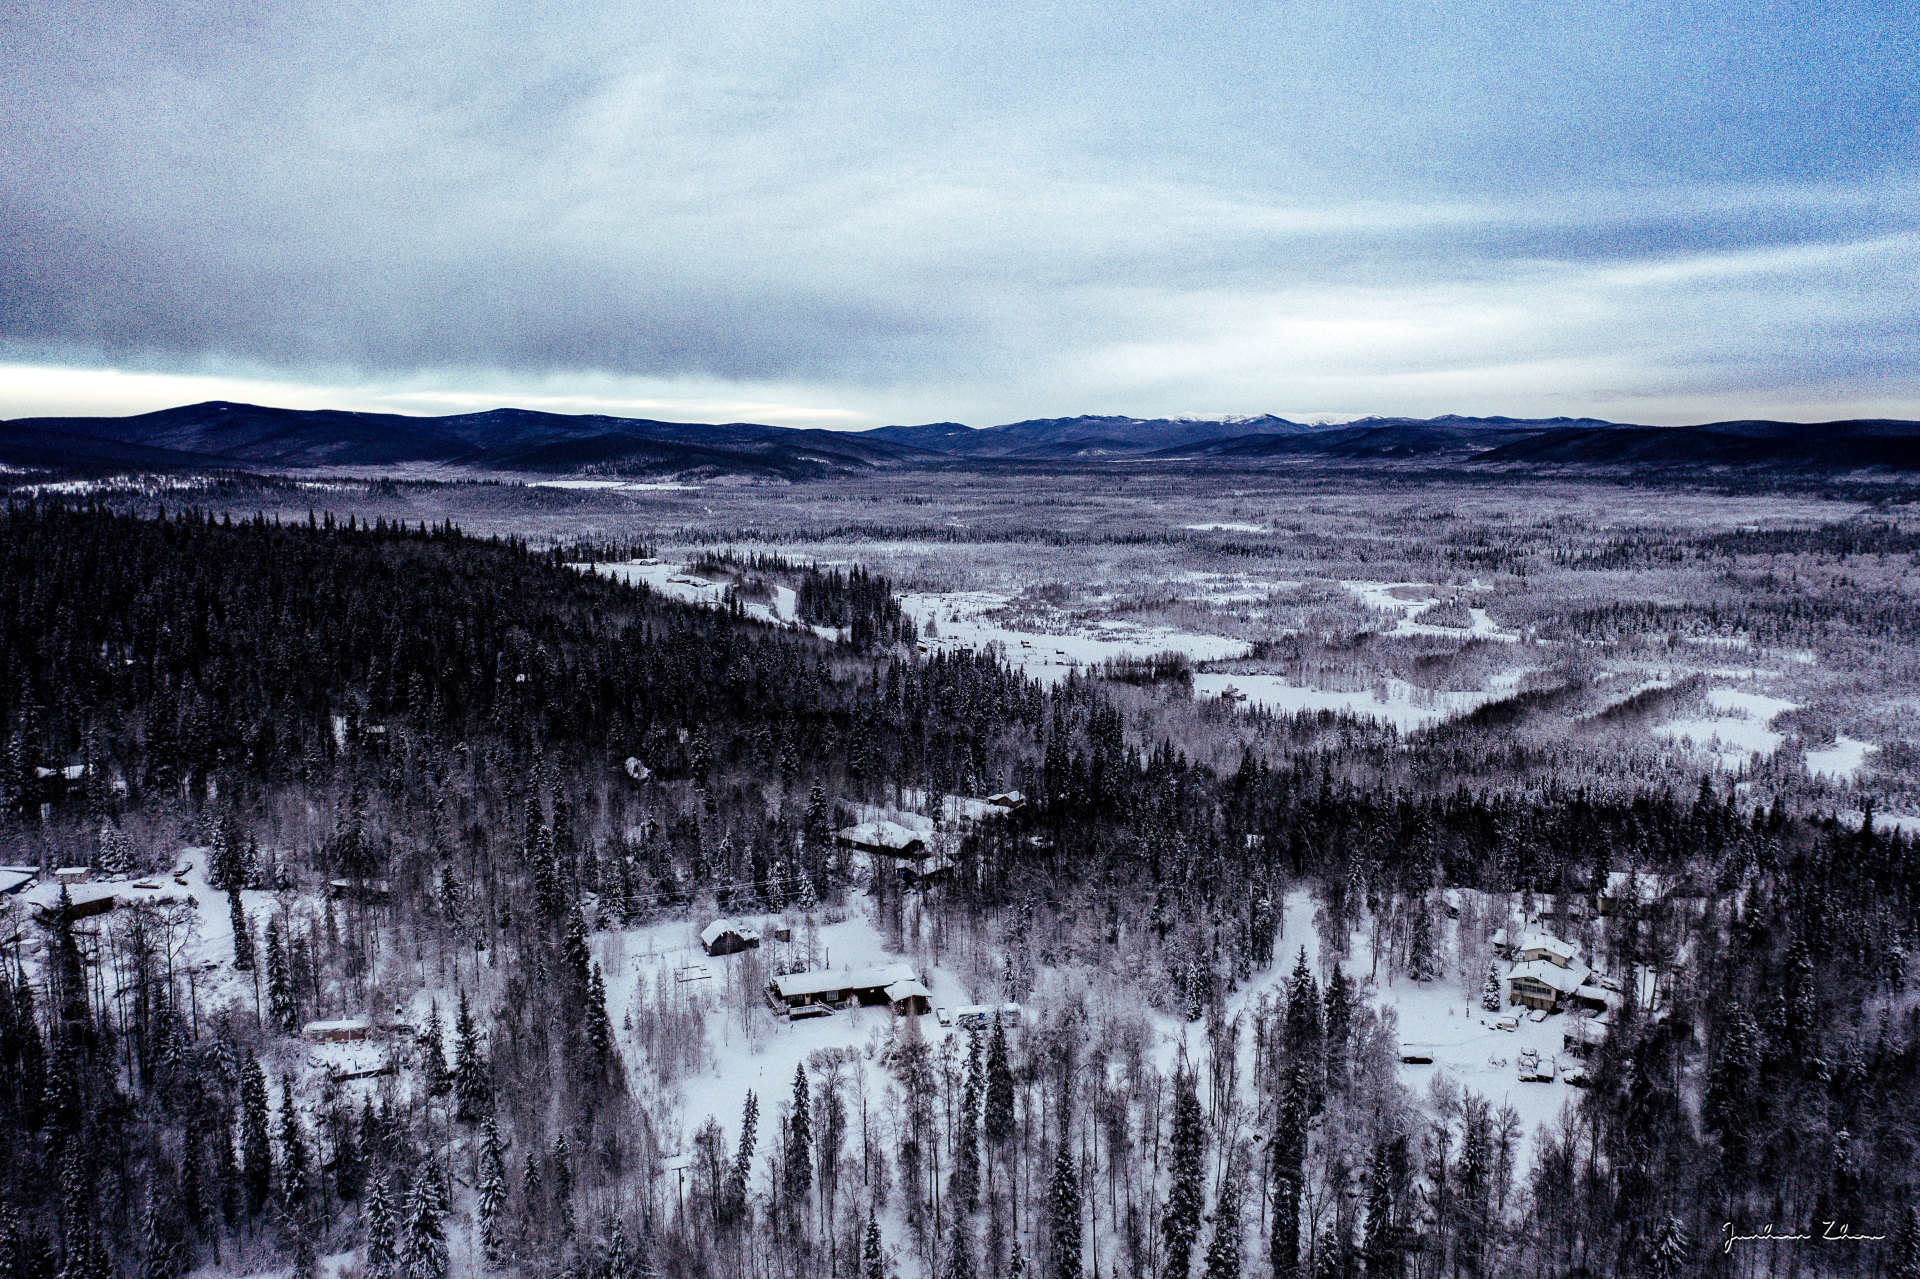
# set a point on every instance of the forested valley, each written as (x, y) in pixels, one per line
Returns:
(431, 786)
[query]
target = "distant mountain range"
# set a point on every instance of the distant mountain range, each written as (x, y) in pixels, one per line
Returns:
(247, 437)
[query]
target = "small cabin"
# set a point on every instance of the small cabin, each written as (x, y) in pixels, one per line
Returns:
(728, 937)
(887, 839)
(73, 874)
(1416, 1055)
(1008, 801)
(369, 890)
(908, 997)
(349, 1030)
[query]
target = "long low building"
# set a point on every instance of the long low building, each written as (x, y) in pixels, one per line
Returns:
(889, 839)
(895, 985)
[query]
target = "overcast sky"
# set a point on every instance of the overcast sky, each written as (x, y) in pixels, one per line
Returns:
(851, 214)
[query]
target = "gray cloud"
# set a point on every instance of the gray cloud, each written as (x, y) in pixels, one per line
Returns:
(929, 211)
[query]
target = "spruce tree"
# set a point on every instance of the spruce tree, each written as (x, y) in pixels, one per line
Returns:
(1668, 1252)
(799, 1152)
(282, 1009)
(1063, 1213)
(383, 1253)
(1186, 1196)
(472, 1089)
(1728, 1105)
(1382, 1254)
(1289, 1159)
(1420, 961)
(959, 1258)
(873, 1261)
(965, 1184)
(1223, 1251)
(423, 1251)
(599, 1026)
(293, 1150)
(433, 1061)
(742, 1172)
(256, 1146)
(998, 1119)
(1490, 989)
(490, 1194)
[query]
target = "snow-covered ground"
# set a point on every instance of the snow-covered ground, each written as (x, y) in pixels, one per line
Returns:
(1840, 761)
(1739, 734)
(960, 619)
(677, 581)
(1439, 1016)
(1404, 599)
(746, 1045)
(624, 486)
(1392, 701)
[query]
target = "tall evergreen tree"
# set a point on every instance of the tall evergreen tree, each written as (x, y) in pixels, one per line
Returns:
(1289, 1159)
(1186, 1194)
(472, 1089)
(294, 1164)
(998, 1118)
(242, 930)
(490, 1194)
(1223, 1250)
(1063, 1213)
(799, 1152)
(873, 1261)
(256, 1146)
(1380, 1248)
(423, 1249)
(383, 1247)
(283, 1010)
(1668, 1254)
(741, 1174)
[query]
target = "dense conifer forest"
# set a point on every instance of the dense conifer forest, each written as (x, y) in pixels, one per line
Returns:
(420, 765)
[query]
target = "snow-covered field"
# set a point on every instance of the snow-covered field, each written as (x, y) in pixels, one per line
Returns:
(1405, 599)
(960, 617)
(1391, 701)
(1739, 734)
(1840, 761)
(679, 582)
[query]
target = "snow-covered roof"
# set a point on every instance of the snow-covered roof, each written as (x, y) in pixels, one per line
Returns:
(1534, 939)
(343, 1024)
(1548, 973)
(908, 988)
(1550, 944)
(792, 985)
(882, 834)
(12, 881)
(1645, 883)
(721, 927)
(1007, 799)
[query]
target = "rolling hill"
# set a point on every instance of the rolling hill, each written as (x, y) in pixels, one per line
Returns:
(507, 441)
